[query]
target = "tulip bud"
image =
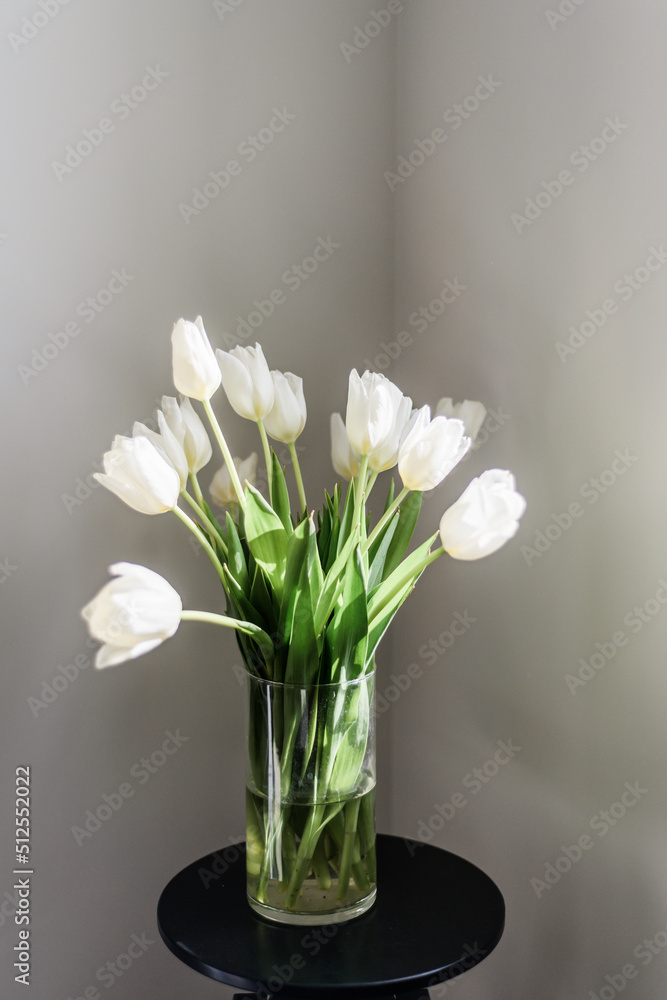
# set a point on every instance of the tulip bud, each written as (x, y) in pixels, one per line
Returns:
(167, 444)
(373, 404)
(471, 413)
(484, 517)
(287, 416)
(189, 430)
(221, 488)
(195, 369)
(431, 450)
(344, 458)
(136, 472)
(132, 614)
(386, 456)
(247, 381)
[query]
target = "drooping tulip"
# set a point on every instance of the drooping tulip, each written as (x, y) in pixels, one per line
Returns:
(186, 424)
(373, 404)
(287, 417)
(431, 450)
(196, 372)
(137, 473)
(247, 381)
(132, 614)
(344, 458)
(484, 517)
(221, 488)
(470, 412)
(167, 443)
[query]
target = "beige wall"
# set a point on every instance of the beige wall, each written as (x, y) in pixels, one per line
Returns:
(545, 89)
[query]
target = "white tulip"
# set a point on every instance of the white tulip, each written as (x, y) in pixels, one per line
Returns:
(344, 458)
(222, 489)
(287, 416)
(471, 413)
(373, 403)
(136, 472)
(195, 369)
(186, 424)
(386, 456)
(431, 450)
(247, 381)
(132, 614)
(484, 517)
(167, 444)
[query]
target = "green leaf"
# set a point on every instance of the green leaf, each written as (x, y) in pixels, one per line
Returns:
(267, 538)
(332, 585)
(407, 519)
(347, 632)
(406, 573)
(346, 519)
(236, 557)
(281, 502)
(377, 553)
(382, 622)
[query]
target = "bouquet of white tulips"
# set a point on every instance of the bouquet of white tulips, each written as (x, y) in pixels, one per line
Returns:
(309, 597)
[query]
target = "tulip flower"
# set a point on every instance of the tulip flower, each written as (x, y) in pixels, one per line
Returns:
(431, 450)
(247, 381)
(386, 456)
(167, 444)
(373, 404)
(132, 614)
(222, 488)
(136, 472)
(471, 413)
(195, 369)
(344, 458)
(287, 416)
(484, 517)
(186, 424)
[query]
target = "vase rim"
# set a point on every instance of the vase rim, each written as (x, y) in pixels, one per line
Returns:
(312, 684)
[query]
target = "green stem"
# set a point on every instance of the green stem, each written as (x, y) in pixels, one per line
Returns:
(248, 628)
(359, 486)
(351, 816)
(214, 528)
(388, 514)
(203, 541)
(197, 488)
(298, 476)
(267, 455)
(226, 454)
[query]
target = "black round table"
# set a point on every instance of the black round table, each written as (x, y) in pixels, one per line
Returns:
(435, 916)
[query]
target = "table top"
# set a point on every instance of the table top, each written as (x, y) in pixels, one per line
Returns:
(435, 916)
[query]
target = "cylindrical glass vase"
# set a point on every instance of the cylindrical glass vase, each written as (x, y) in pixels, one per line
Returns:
(310, 800)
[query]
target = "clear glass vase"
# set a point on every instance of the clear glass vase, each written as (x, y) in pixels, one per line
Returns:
(310, 800)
